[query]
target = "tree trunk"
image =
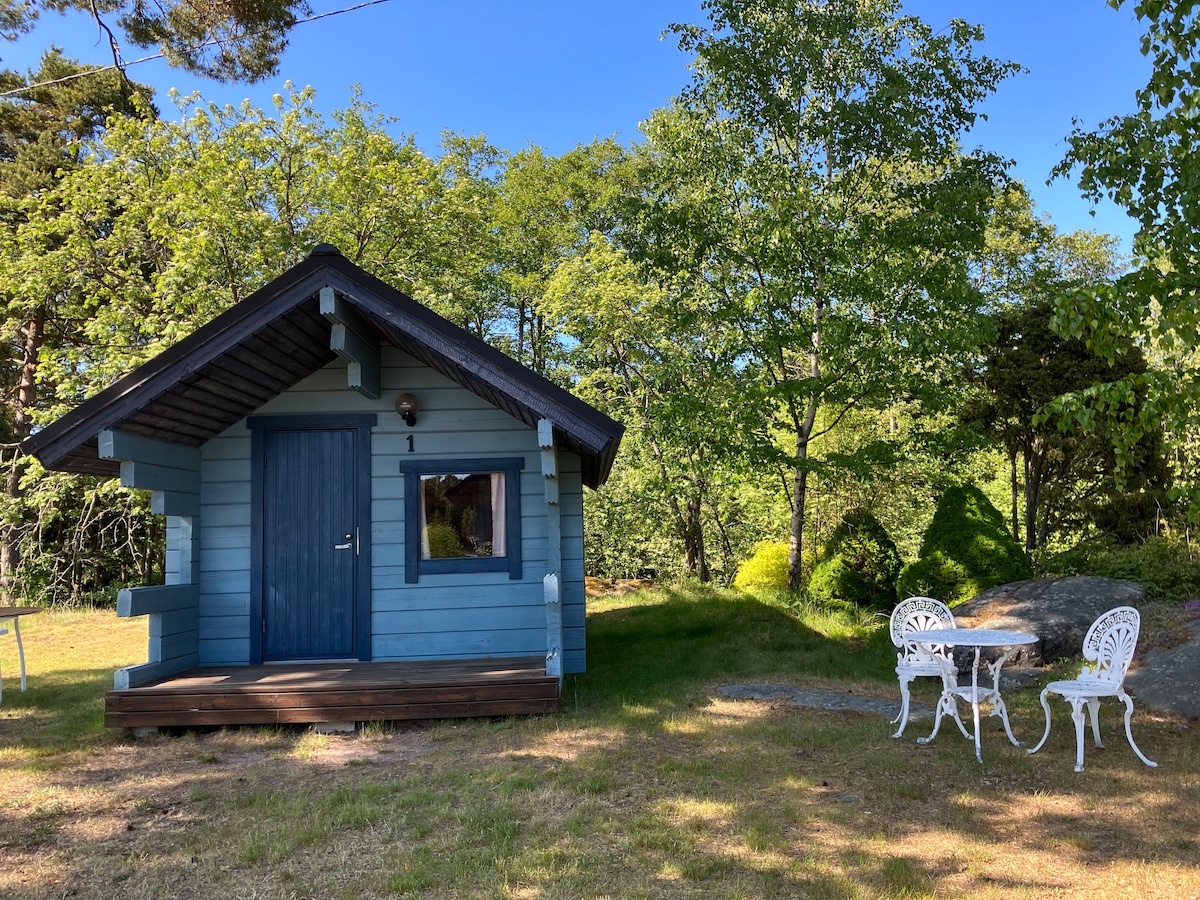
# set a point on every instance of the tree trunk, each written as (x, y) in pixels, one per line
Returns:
(800, 494)
(1013, 486)
(804, 430)
(796, 543)
(1034, 468)
(697, 557)
(35, 335)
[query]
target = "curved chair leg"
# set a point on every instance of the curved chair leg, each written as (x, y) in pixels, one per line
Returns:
(1128, 701)
(1046, 734)
(1094, 709)
(902, 718)
(1077, 718)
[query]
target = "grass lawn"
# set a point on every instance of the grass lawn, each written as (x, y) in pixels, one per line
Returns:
(647, 784)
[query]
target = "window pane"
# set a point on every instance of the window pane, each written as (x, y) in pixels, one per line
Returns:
(462, 516)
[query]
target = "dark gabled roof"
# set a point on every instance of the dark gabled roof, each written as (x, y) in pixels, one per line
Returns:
(268, 342)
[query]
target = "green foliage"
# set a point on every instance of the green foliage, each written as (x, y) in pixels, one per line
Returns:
(82, 539)
(80, 536)
(858, 564)
(812, 215)
(966, 550)
(766, 571)
(443, 541)
(237, 41)
(1166, 567)
(1068, 472)
(1146, 160)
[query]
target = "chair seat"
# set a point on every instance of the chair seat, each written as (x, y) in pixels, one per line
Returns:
(929, 667)
(1084, 688)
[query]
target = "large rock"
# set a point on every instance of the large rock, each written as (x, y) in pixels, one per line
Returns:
(1058, 610)
(1169, 680)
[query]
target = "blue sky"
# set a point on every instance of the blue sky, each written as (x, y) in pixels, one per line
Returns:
(557, 73)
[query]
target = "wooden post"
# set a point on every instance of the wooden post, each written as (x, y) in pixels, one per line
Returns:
(550, 584)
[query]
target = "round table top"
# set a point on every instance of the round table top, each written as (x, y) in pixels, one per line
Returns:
(974, 637)
(11, 612)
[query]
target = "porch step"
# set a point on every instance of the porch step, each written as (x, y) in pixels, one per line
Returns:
(340, 692)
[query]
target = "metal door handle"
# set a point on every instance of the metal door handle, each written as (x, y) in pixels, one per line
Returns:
(343, 546)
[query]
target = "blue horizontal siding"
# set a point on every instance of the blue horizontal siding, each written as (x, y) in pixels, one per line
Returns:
(452, 645)
(441, 616)
(459, 619)
(218, 606)
(226, 628)
(225, 652)
(175, 621)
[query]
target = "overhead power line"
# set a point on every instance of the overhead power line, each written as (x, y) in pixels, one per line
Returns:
(125, 65)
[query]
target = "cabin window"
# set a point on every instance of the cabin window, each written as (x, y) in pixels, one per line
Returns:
(462, 516)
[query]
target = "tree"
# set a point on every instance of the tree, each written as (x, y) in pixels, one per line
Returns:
(811, 205)
(161, 226)
(1146, 162)
(549, 207)
(640, 361)
(228, 41)
(1067, 473)
(43, 140)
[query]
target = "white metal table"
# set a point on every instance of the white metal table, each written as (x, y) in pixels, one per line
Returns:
(977, 638)
(14, 613)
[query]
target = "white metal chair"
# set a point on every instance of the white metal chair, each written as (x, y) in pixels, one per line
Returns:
(1109, 644)
(914, 660)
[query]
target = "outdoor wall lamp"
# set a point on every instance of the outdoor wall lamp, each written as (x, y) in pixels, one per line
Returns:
(407, 405)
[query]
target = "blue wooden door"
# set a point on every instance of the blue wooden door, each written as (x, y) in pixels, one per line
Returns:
(310, 544)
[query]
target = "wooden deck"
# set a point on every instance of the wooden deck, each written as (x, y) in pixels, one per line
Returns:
(337, 692)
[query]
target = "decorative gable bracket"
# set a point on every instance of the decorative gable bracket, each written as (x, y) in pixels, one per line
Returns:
(355, 341)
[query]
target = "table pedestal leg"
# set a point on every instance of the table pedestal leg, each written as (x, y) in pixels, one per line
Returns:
(975, 703)
(20, 649)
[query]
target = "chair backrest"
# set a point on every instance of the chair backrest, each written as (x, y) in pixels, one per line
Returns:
(919, 614)
(1110, 643)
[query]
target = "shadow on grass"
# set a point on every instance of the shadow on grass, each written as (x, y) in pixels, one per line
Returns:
(64, 708)
(675, 642)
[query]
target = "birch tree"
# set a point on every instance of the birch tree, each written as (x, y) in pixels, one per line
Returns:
(813, 204)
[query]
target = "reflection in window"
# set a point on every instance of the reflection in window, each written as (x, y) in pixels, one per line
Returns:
(463, 516)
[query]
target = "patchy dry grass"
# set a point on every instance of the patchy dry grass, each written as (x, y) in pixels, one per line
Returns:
(646, 785)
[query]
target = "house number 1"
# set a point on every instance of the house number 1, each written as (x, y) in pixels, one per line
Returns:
(411, 448)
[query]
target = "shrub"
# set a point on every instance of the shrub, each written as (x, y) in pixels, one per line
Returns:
(859, 564)
(443, 541)
(966, 549)
(1167, 568)
(766, 570)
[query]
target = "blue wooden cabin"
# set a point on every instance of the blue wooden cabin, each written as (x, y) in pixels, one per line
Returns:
(371, 513)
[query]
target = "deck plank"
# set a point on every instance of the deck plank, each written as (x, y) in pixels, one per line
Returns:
(338, 692)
